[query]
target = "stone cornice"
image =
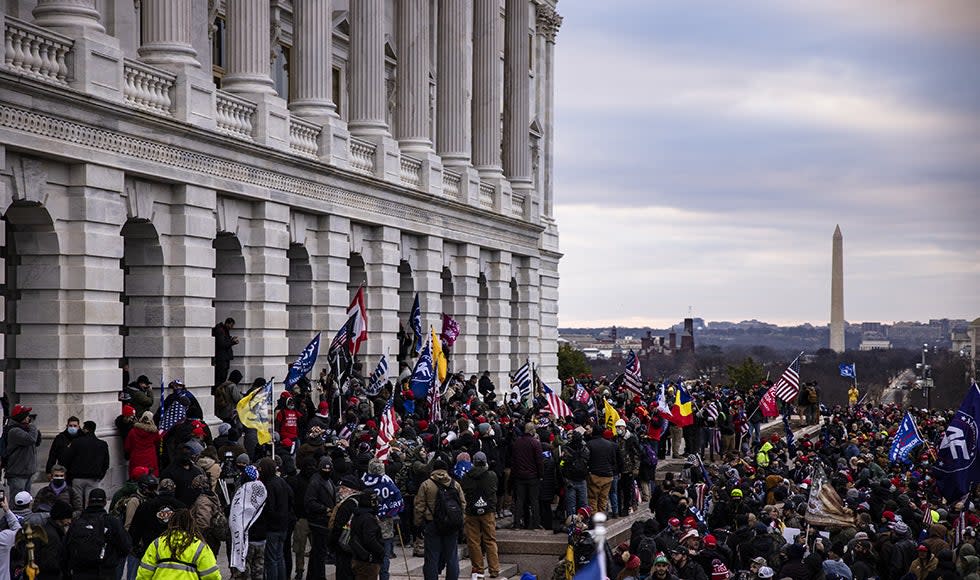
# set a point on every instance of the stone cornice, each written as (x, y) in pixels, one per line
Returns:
(548, 21)
(308, 185)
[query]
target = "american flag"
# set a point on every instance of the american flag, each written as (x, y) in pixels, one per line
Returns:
(700, 492)
(389, 425)
(173, 415)
(339, 351)
(435, 404)
(522, 381)
(788, 386)
(557, 407)
(959, 529)
(632, 379)
(712, 410)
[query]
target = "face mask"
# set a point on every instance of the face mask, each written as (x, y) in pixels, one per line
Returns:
(73, 430)
(58, 480)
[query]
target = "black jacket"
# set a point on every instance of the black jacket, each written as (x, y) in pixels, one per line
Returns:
(320, 498)
(222, 343)
(602, 457)
(87, 458)
(479, 484)
(117, 546)
(299, 483)
(525, 456)
(182, 478)
(345, 511)
(146, 526)
(48, 554)
(366, 542)
(58, 448)
(278, 509)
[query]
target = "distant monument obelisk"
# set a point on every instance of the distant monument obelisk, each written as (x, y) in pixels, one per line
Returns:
(837, 294)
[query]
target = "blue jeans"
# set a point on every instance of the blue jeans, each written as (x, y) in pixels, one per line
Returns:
(275, 562)
(576, 496)
(440, 551)
(614, 496)
(386, 563)
(755, 432)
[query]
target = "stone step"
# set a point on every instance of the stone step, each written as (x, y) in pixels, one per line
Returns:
(404, 566)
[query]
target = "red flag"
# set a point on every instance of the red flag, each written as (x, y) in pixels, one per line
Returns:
(768, 404)
(450, 330)
(359, 332)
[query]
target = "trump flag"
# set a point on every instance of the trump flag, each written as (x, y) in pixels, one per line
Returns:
(958, 468)
(906, 439)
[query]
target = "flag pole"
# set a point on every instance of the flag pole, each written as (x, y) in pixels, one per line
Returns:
(272, 417)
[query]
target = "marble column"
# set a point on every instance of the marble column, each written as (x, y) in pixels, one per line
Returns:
(549, 22)
(382, 256)
(249, 47)
(412, 95)
(167, 27)
(454, 83)
(68, 15)
(329, 256)
(517, 109)
(427, 273)
(528, 314)
(367, 118)
(548, 308)
(466, 267)
(486, 88)
(313, 77)
(367, 68)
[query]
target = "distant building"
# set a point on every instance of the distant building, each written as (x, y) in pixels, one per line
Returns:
(875, 344)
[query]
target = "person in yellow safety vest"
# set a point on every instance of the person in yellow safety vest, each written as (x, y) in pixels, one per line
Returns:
(179, 554)
(762, 457)
(852, 396)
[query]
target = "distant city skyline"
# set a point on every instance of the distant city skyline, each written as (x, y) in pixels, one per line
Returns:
(706, 150)
(665, 323)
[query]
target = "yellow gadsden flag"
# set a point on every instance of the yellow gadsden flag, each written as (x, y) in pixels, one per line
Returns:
(611, 416)
(255, 412)
(438, 357)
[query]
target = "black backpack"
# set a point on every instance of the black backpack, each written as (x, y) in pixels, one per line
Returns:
(574, 465)
(448, 513)
(86, 541)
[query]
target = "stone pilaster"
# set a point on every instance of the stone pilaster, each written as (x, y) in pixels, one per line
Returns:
(331, 270)
(498, 348)
(548, 306)
(381, 259)
(249, 47)
(517, 108)
(528, 314)
(313, 71)
(189, 291)
(265, 346)
(466, 269)
(428, 280)
(486, 89)
(84, 346)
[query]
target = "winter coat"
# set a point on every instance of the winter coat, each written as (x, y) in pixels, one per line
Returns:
(48, 554)
(47, 496)
(937, 539)
(278, 505)
(197, 561)
(87, 458)
(203, 510)
(211, 468)
(425, 501)
(549, 479)
(480, 490)
(141, 400)
(117, 543)
(141, 447)
(182, 478)
(525, 456)
(320, 499)
(602, 457)
(921, 568)
(146, 525)
(59, 445)
(366, 541)
(22, 443)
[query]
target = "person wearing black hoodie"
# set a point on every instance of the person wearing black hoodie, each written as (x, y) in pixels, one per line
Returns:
(480, 490)
(276, 517)
(79, 561)
(366, 542)
(299, 483)
(87, 461)
(153, 515)
(182, 472)
(319, 499)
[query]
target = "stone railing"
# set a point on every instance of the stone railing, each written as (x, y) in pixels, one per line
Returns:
(451, 183)
(411, 171)
(234, 115)
(362, 155)
(517, 206)
(303, 137)
(36, 52)
(148, 88)
(486, 195)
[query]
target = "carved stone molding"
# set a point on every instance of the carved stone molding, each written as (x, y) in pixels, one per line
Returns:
(548, 21)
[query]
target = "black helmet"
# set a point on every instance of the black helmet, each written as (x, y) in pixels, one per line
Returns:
(148, 481)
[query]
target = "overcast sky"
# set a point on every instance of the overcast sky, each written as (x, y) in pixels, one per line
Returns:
(706, 150)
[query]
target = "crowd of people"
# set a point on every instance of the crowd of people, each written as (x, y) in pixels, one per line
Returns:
(343, 475)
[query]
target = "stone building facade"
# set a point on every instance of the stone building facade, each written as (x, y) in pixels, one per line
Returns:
(165, 164)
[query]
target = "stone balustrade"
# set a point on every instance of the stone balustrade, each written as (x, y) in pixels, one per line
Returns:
(517, 206)
(148, 88)
(362, 155)
(411, 171)
(451, 183)
(36, 52)
(303, 137)
(486, 195)
(234, 115)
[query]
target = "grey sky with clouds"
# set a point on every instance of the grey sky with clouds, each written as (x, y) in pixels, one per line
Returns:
(706, 149)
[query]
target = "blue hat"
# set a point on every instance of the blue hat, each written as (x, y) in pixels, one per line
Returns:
(251, 473)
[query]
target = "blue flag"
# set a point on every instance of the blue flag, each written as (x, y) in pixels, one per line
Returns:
(304, 362)
(906, 439)
(424, 373)
(848, 370)
(415, 321)
(958, 468)
(595, 569)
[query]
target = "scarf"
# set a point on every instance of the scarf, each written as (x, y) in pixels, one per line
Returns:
(246, 507)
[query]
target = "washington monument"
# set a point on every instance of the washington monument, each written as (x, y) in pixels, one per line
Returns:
(837, 294)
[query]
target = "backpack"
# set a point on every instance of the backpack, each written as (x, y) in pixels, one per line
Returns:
(218, 530)
(222, 398)
(448, 512)
(86, 541)
(811, 396)
(647, 550)
(574, 465)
